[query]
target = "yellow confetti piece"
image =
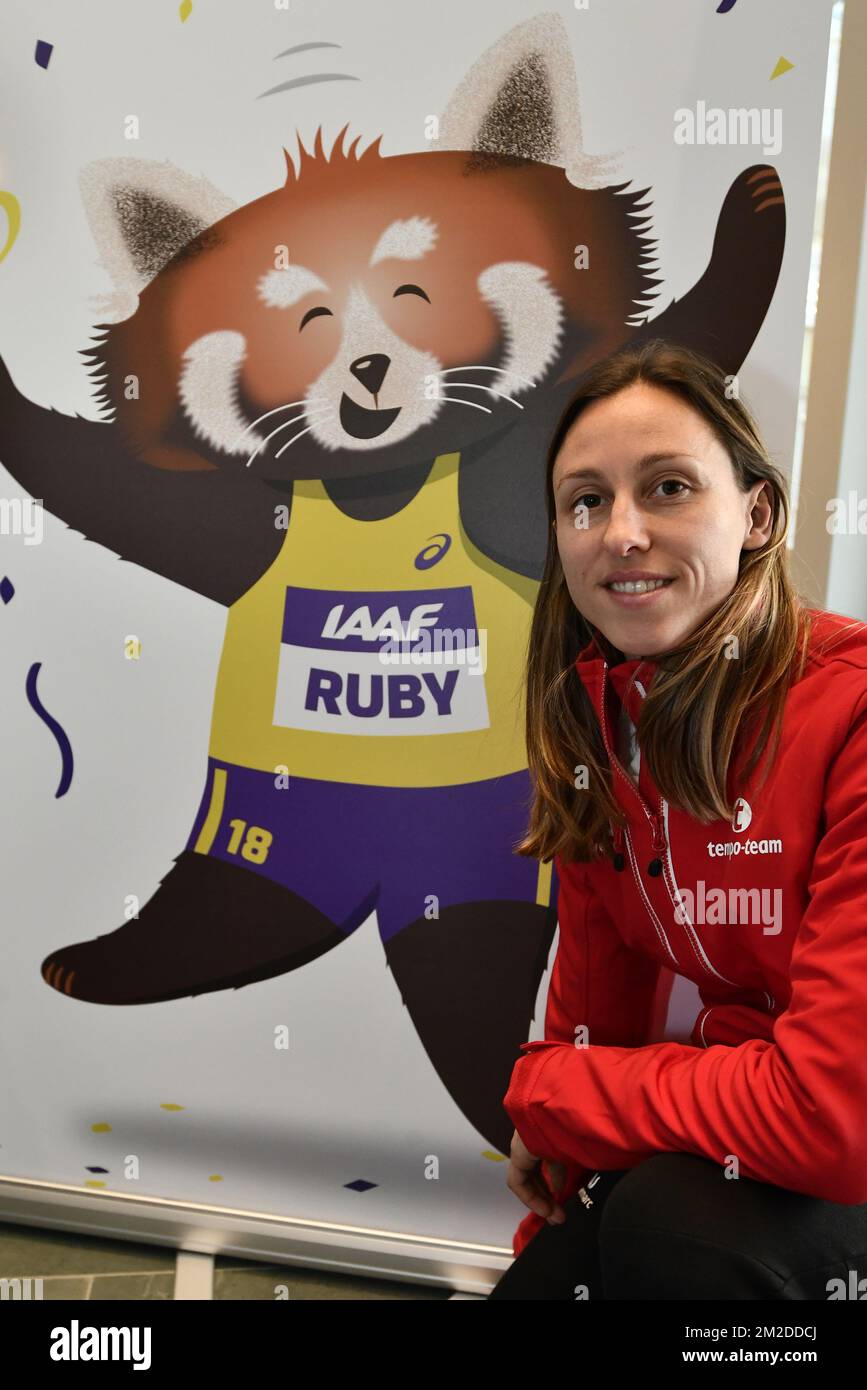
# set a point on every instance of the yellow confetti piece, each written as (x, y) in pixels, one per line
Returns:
(12, 208)
(783, 65)
(169, 1105)
(94, 1182)
(185, 10)
(215, 1177)
(495, 1158)
(101, 1128)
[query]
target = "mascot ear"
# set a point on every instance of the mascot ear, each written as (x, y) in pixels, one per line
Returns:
(519, 100)
(141, 213)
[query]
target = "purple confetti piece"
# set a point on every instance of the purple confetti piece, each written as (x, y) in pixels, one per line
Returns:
(56, 728)
(7, 589)
(43, 52)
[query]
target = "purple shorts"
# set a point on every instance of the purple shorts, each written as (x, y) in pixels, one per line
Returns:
(348, 849)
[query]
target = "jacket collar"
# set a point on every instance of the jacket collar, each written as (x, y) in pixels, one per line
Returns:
(598, 660)
(602, 672)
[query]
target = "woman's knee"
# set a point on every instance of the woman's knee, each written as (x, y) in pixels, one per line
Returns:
(661, 1190)
(663, 1235)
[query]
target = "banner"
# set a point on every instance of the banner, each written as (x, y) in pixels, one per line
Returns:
(291, 299)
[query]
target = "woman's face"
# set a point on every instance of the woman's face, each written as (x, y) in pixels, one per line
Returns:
(654, 494)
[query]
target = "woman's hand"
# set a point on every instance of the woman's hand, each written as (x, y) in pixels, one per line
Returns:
(525, 1179)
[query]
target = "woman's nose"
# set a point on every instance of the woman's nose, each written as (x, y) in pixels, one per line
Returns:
(626, 526)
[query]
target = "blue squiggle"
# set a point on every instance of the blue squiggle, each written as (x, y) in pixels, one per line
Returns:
(57, 729)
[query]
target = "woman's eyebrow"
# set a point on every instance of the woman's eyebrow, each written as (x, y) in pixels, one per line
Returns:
(646, 461)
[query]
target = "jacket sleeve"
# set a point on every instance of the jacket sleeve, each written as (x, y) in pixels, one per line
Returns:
(793, 1110)
(596, 981)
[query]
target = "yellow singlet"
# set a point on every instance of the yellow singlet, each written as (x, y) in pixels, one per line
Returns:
(304, 683)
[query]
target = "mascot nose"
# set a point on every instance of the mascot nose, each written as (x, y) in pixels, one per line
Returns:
(371, 371)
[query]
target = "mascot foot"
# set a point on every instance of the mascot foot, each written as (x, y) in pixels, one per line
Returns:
(209, 926)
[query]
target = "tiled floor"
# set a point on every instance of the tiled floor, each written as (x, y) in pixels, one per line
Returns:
(82, 1267)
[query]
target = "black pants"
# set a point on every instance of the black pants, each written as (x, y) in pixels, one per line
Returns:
(676, 1227)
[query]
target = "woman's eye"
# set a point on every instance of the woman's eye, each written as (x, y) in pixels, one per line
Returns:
(589, 501)
(582, 500)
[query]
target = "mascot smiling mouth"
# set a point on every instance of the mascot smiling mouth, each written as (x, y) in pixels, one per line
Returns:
(362, 423)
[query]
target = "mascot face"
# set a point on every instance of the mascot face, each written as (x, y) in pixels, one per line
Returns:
(298, 339)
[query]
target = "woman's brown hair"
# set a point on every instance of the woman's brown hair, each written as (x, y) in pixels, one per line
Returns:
(702, 706)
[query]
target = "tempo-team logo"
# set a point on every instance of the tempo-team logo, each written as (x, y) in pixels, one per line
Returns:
(732, 849)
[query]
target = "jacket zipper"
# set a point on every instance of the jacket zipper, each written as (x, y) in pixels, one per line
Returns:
(699, 952)
(660, 843)
(658, 839)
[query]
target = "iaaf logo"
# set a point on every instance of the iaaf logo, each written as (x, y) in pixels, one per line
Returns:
(415, 641)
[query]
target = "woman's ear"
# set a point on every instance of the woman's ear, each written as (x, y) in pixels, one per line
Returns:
(760, 517)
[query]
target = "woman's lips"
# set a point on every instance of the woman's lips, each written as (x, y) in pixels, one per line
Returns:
(638, 600)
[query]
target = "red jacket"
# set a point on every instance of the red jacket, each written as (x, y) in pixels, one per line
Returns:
(775, 1071)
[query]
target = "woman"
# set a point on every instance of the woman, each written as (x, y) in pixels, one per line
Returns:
(698, 743)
